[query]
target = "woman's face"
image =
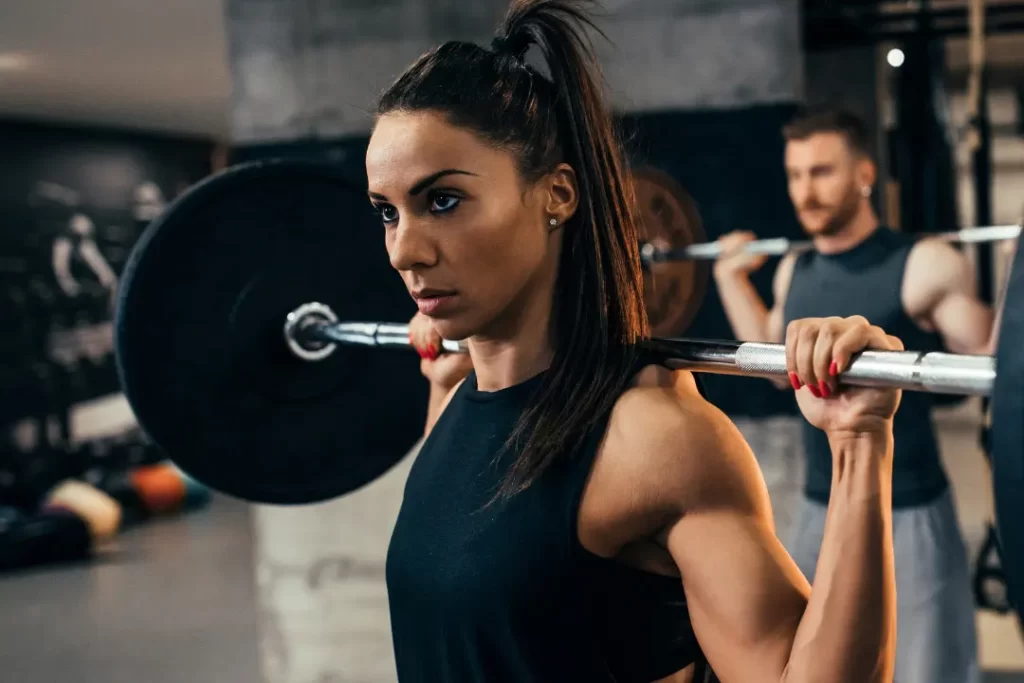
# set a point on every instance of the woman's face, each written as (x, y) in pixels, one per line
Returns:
(472, 241)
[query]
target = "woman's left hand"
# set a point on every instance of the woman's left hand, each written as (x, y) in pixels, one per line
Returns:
(818, 350)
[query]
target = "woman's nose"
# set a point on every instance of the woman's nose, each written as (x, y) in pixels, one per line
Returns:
(410, 248)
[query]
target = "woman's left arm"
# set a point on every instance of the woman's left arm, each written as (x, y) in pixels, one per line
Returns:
(745, 595)
(682, 461)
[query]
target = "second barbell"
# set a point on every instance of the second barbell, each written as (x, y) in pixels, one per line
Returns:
(780, 246)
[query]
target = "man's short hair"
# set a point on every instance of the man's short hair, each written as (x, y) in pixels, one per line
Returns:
(822, 119)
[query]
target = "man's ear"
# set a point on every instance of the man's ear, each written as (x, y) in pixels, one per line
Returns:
(563, 195)
(867, 172)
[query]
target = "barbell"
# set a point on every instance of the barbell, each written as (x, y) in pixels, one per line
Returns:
(242, 349)
(312, 332)
(779, 246)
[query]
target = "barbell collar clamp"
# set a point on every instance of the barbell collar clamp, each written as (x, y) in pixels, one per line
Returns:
(301, 331)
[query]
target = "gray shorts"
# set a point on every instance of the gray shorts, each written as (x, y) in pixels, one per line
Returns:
(936, 641)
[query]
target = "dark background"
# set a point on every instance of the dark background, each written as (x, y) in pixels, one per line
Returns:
(48, 175)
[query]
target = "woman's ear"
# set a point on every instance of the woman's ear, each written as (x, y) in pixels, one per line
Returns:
(562, 194)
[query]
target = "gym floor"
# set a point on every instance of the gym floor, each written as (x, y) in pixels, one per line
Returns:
(176, 602)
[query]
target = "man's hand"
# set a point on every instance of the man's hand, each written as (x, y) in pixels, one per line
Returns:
(734, 259)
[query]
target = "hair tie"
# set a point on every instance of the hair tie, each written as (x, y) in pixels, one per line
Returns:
(513, 44)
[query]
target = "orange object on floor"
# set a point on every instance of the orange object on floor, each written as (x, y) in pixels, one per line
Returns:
(160, 487)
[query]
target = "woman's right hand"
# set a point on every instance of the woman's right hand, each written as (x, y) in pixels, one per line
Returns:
(443, 370)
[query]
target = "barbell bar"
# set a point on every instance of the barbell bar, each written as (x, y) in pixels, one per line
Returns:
(779, 246)
(256, 391)
(313, 329)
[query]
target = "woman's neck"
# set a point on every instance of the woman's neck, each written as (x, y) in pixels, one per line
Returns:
(520, 343)
(515, 348)
(502, 363)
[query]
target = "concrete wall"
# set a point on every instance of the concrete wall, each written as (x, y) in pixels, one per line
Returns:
(312, 68)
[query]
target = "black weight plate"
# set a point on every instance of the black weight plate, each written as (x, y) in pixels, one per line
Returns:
(1007, 434)
(200, 347)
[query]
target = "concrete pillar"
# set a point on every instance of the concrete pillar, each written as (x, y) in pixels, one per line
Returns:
(313, 68)
(685, 55)
(306, 74)
(853, 78)
(320, 577)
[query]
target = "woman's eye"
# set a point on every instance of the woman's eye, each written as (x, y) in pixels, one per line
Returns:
(439, 203)
(388, 213)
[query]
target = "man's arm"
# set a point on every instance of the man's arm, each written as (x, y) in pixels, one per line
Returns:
(940, 292)
(101, 269)
(755, 616)
(749, 317)
(62, 249)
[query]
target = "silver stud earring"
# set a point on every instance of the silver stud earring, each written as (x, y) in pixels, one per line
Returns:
(866, 191)
(553, 221)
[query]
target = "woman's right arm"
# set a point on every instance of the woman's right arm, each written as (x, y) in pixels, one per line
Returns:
(444, 371)
(440, 395)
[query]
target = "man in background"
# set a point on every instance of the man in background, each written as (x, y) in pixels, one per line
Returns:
(922, 291)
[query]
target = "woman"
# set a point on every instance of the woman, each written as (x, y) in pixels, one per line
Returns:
(577, 513)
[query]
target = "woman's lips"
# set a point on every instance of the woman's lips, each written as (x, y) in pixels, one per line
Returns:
(432, 302)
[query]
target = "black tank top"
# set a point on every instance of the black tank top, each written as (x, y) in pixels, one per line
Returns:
(868, 280)
(507, 592)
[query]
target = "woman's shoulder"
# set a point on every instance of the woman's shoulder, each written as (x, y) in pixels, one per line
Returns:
(661, 403)
(671, 443)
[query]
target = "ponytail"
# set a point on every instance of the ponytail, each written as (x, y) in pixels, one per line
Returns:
(599, 314)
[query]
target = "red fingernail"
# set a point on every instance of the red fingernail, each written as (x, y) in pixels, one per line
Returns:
(814, 390)
(422, 355)
(794, 380)
(823, 388)
(833, 369)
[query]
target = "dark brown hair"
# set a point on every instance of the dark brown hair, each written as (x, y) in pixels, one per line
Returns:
(547, 119)
(823, 119)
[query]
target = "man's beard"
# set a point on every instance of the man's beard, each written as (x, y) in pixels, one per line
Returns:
(840, 218)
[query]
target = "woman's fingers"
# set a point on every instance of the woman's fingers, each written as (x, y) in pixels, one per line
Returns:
(819, 350)
(423, 337)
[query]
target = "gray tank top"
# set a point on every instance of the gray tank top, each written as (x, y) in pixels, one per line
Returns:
(868, 280)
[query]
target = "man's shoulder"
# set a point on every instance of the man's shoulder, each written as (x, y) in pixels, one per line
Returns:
(935, 264)
(934, 269)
